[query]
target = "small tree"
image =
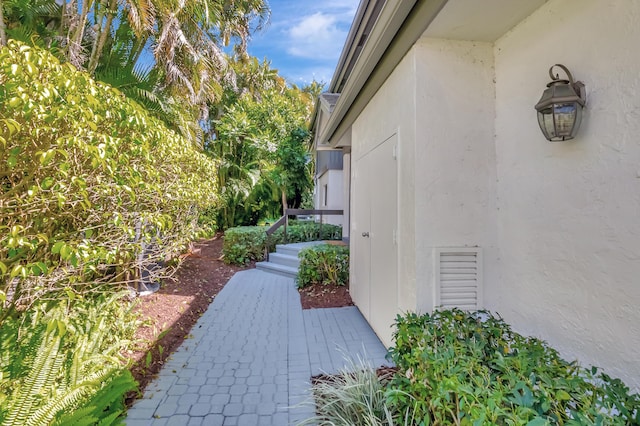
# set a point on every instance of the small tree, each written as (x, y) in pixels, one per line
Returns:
(292, 173)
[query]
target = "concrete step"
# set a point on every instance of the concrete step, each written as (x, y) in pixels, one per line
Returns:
(284, 259)
(275, 268)
(294, 249)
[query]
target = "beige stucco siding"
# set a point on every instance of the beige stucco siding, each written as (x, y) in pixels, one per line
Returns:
(559, 223)
(455, 156)
(392, 111)
(569, 213)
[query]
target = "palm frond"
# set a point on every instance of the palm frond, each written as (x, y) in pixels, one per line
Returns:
(45, 369)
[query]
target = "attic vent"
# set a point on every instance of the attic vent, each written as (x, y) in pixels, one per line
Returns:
(458, 278)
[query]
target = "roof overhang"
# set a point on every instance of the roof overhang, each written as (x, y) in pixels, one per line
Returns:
(363, 68)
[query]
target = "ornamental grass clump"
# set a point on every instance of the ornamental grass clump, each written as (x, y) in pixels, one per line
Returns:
(354, 396)
(465, 368)
(92, 188)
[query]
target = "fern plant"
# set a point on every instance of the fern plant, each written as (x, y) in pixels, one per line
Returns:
(62, 366)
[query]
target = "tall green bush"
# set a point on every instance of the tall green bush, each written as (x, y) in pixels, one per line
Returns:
(86, 178)
(472, 369)
(244, 244)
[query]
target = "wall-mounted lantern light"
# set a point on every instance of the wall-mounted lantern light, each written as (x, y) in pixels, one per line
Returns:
(560, 107)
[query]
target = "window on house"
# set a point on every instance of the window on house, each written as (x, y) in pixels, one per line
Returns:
(326, 191)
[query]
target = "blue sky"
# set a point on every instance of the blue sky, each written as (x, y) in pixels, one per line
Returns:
(304, 38)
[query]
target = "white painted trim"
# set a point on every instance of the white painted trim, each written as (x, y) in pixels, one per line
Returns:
(400, 24)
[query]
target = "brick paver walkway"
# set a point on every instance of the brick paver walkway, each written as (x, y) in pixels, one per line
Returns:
(251, 357)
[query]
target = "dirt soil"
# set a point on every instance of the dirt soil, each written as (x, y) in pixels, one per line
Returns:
(168, 315)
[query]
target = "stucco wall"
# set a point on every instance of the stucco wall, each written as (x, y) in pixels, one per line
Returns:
(455, 156)
(392, 111)
(569, 213)
(346, 196)
(559, 223)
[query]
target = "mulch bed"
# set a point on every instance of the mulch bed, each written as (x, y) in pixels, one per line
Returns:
(324, 296)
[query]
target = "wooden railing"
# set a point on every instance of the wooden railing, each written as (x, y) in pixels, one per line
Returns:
(284, 221)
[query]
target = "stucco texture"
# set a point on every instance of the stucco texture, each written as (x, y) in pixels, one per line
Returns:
(569, 213)
(559, 223)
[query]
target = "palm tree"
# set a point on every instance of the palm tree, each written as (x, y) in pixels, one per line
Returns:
(3, 26)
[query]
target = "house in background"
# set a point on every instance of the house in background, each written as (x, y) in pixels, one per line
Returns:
(457, 199)
(331, 180)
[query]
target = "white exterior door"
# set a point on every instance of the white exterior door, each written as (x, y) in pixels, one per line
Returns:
(375, 211)
(360, 242)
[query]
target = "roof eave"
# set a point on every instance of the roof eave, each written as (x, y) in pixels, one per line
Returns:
(399, 25)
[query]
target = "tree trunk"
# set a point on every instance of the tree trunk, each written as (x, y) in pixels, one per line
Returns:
(284, 202)
(76, 35)
(3, 34)
(102, 38)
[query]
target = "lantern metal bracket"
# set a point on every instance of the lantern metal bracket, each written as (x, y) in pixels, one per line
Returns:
(560, 107)
(577, 86)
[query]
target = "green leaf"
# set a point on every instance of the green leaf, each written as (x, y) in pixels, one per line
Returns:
(538, 421)
(18, 270)
(14, 102)
(57, 247)
(47, 182)
(70, 293)
(65, 251)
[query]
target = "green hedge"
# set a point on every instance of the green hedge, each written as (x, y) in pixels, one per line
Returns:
(81, 168)
(472, 369)
(246, 243)
(324, 264)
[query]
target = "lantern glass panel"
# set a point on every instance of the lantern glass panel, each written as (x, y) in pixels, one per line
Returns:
(545, 120)
(565, 118)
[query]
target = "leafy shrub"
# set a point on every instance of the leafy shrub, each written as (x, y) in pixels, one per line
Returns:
(472, 369)
(325, 263)
(246, 243)
(301, 232)
(87, 178)
(60, 362)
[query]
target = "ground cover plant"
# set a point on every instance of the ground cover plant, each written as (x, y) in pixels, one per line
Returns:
(60, 362)
(246, 243)
(325, 264)
(459, 368)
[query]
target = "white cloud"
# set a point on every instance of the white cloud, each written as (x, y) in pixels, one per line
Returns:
(317, 36)
(306, 75)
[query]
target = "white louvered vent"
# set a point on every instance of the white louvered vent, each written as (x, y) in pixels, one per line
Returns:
(458, 278)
